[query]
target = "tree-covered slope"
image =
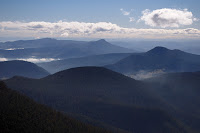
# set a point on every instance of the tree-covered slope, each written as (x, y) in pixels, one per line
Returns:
(102, 95)
(18, 113)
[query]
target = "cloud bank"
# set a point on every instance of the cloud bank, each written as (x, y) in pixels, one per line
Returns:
(3, 59)
(147, 74)
(40, 29)
(38, 60)
(167, 17)
(13, 48)
(34, 60)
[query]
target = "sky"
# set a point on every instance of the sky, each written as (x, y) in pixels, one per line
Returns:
(143, 19)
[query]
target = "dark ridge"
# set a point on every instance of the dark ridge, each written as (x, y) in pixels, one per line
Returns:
(88, 71)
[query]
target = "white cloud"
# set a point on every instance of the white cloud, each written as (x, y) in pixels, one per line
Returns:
(167, 17)
(34, 60)
(13, 48)
(3, 59)
(37, 60)
(131, 19)
(43, 29)
(125, 13)
(147, 74)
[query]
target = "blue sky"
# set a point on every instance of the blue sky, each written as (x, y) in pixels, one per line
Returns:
(93, 11)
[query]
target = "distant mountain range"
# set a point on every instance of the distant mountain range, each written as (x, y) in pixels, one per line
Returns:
(107, 97)
(62, 49)
(18, 113)
(190, 46)
(9, 69)
(93, 60)
(159, 58)
(93, 88)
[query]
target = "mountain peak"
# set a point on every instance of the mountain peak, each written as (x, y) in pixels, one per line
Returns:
(102, 40)
(158, 50)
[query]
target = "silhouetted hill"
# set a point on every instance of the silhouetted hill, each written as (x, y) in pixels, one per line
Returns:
(9, 69)
(95, 60)
(19, 113)
(159, 58)
(159, 50)
(102, 46)
(102, 95)
(88, 82)
(52, 48)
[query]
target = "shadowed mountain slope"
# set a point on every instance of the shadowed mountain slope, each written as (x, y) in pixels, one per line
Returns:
(181, 90)
(102, 95)
(19, 113)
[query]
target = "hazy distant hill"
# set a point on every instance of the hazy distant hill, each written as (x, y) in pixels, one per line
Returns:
(9, 69)
(158, 58)
(94, 60)
(102, 95)
(18, 113)
(52, 48)
(190, 46)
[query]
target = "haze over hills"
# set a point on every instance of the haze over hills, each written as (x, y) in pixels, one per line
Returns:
(18, 113)
(94, 60)
(110, 98)
(181, 90)
(102, 95)
(159, 58)
(57, 49)
(9, 69)
(190, 46)
(99, 66)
